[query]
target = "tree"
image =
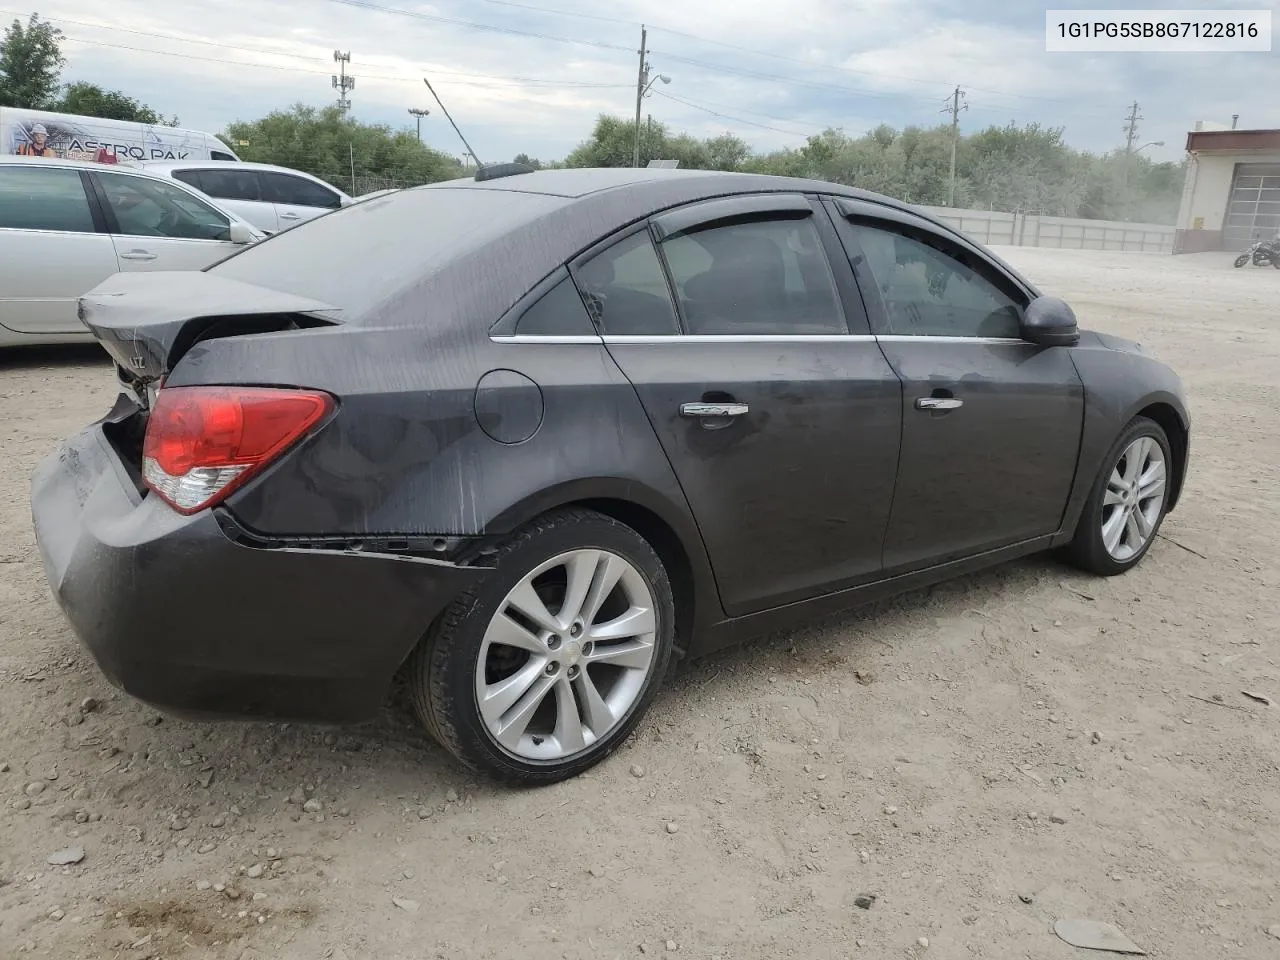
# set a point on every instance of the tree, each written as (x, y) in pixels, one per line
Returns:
(528, 161)
(90, 100)
(329, 144)
(31, 63)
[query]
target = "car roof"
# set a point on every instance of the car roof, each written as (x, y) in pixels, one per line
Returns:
(167, 165)
(137, 170)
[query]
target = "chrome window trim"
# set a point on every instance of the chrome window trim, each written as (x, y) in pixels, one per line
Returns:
(910, 338)
(536, 338)
(750, 338)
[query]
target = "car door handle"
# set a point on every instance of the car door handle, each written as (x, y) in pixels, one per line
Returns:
(137, 255)
(290, 216)
(938, 403)
(712, 409)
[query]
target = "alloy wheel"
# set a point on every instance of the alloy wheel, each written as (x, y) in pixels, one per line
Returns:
(1133, 499)
(566, 655)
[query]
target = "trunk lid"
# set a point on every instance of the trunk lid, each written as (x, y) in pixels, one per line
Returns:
(147, 321)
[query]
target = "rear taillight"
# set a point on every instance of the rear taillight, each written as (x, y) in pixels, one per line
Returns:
(204, 442)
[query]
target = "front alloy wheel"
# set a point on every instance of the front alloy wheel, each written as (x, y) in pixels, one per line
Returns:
(1127, 503)
(544, 668)
(1134, 499)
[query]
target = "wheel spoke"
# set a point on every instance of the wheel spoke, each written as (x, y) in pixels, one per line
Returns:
(1113, 528)
(499, 697)
(635, 622)
(580, 571)
(599, 715)
(525, 599)
(504, 630)
(1144, 525)
(1136, 460)
(568, 731)
(608, 573)
(517, 719)
(1112, 497)
(632, 654)
(1133, 532)
(1152, 481)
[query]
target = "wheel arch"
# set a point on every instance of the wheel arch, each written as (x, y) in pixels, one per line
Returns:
(1176, 429)
(668, 528)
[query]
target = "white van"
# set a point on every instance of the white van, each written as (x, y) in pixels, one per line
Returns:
(39, 133)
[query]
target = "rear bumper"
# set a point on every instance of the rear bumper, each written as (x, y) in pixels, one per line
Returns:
(181, 616)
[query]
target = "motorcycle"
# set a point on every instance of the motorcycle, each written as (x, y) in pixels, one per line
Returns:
(1261, 252)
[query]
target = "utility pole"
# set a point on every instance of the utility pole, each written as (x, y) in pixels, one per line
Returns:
(341, 82)
(954, 106)
(1131, 127)
(418, 113)
(1130, 135)
(642, 81)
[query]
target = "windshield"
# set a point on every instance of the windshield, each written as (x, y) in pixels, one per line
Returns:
(356, 257)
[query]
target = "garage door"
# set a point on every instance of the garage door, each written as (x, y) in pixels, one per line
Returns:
(1254, 211)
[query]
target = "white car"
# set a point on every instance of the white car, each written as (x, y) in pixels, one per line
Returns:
(67, 225)
(271, 198)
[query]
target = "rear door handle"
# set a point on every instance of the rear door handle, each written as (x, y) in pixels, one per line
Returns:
(290, 216)
(137, 255)
(712, 409)
(939, 403)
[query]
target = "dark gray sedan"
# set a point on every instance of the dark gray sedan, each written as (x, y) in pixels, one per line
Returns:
(533, 435)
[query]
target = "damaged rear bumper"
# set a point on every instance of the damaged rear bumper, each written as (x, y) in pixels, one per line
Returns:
(180, 615)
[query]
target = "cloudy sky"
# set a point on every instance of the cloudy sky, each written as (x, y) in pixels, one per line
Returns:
(532, 75)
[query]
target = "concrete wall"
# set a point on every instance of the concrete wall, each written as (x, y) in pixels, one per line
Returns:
(1031, 230)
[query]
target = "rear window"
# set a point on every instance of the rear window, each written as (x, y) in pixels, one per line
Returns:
(356, 257)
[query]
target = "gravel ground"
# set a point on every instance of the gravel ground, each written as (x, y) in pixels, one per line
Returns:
(983, 758)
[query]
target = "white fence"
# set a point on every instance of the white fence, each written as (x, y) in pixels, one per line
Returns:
(1032, 230)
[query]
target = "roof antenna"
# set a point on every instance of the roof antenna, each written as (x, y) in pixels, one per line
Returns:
(471, 152)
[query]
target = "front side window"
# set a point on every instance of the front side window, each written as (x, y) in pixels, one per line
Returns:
(297, 191)
(764, 278)
(41, 198)
(929, 292)
(626, 291)
(153, 208)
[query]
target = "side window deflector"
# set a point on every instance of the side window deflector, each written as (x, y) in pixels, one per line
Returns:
(785, 206)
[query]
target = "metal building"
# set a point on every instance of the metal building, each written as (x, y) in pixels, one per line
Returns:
(1231, 196)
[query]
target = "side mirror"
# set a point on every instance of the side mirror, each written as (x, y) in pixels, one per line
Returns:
(240, 233)
(1050, 322)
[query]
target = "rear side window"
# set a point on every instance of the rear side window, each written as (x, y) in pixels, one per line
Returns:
(626, 290)
(219, 155)
(763, 278)
(224, 184)
(558, 313)
(40, 198)
(297, 191)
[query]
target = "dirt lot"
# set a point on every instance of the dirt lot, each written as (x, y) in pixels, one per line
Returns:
(984, 758)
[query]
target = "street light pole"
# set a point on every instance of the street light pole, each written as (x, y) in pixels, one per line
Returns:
(418, 114)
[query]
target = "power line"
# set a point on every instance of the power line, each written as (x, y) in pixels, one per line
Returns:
(726, 116)
(473, 25)
(505, 81)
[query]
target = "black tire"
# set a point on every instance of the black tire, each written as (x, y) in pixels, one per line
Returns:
(1242, 260)
(1086, 550)
(443, 668)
